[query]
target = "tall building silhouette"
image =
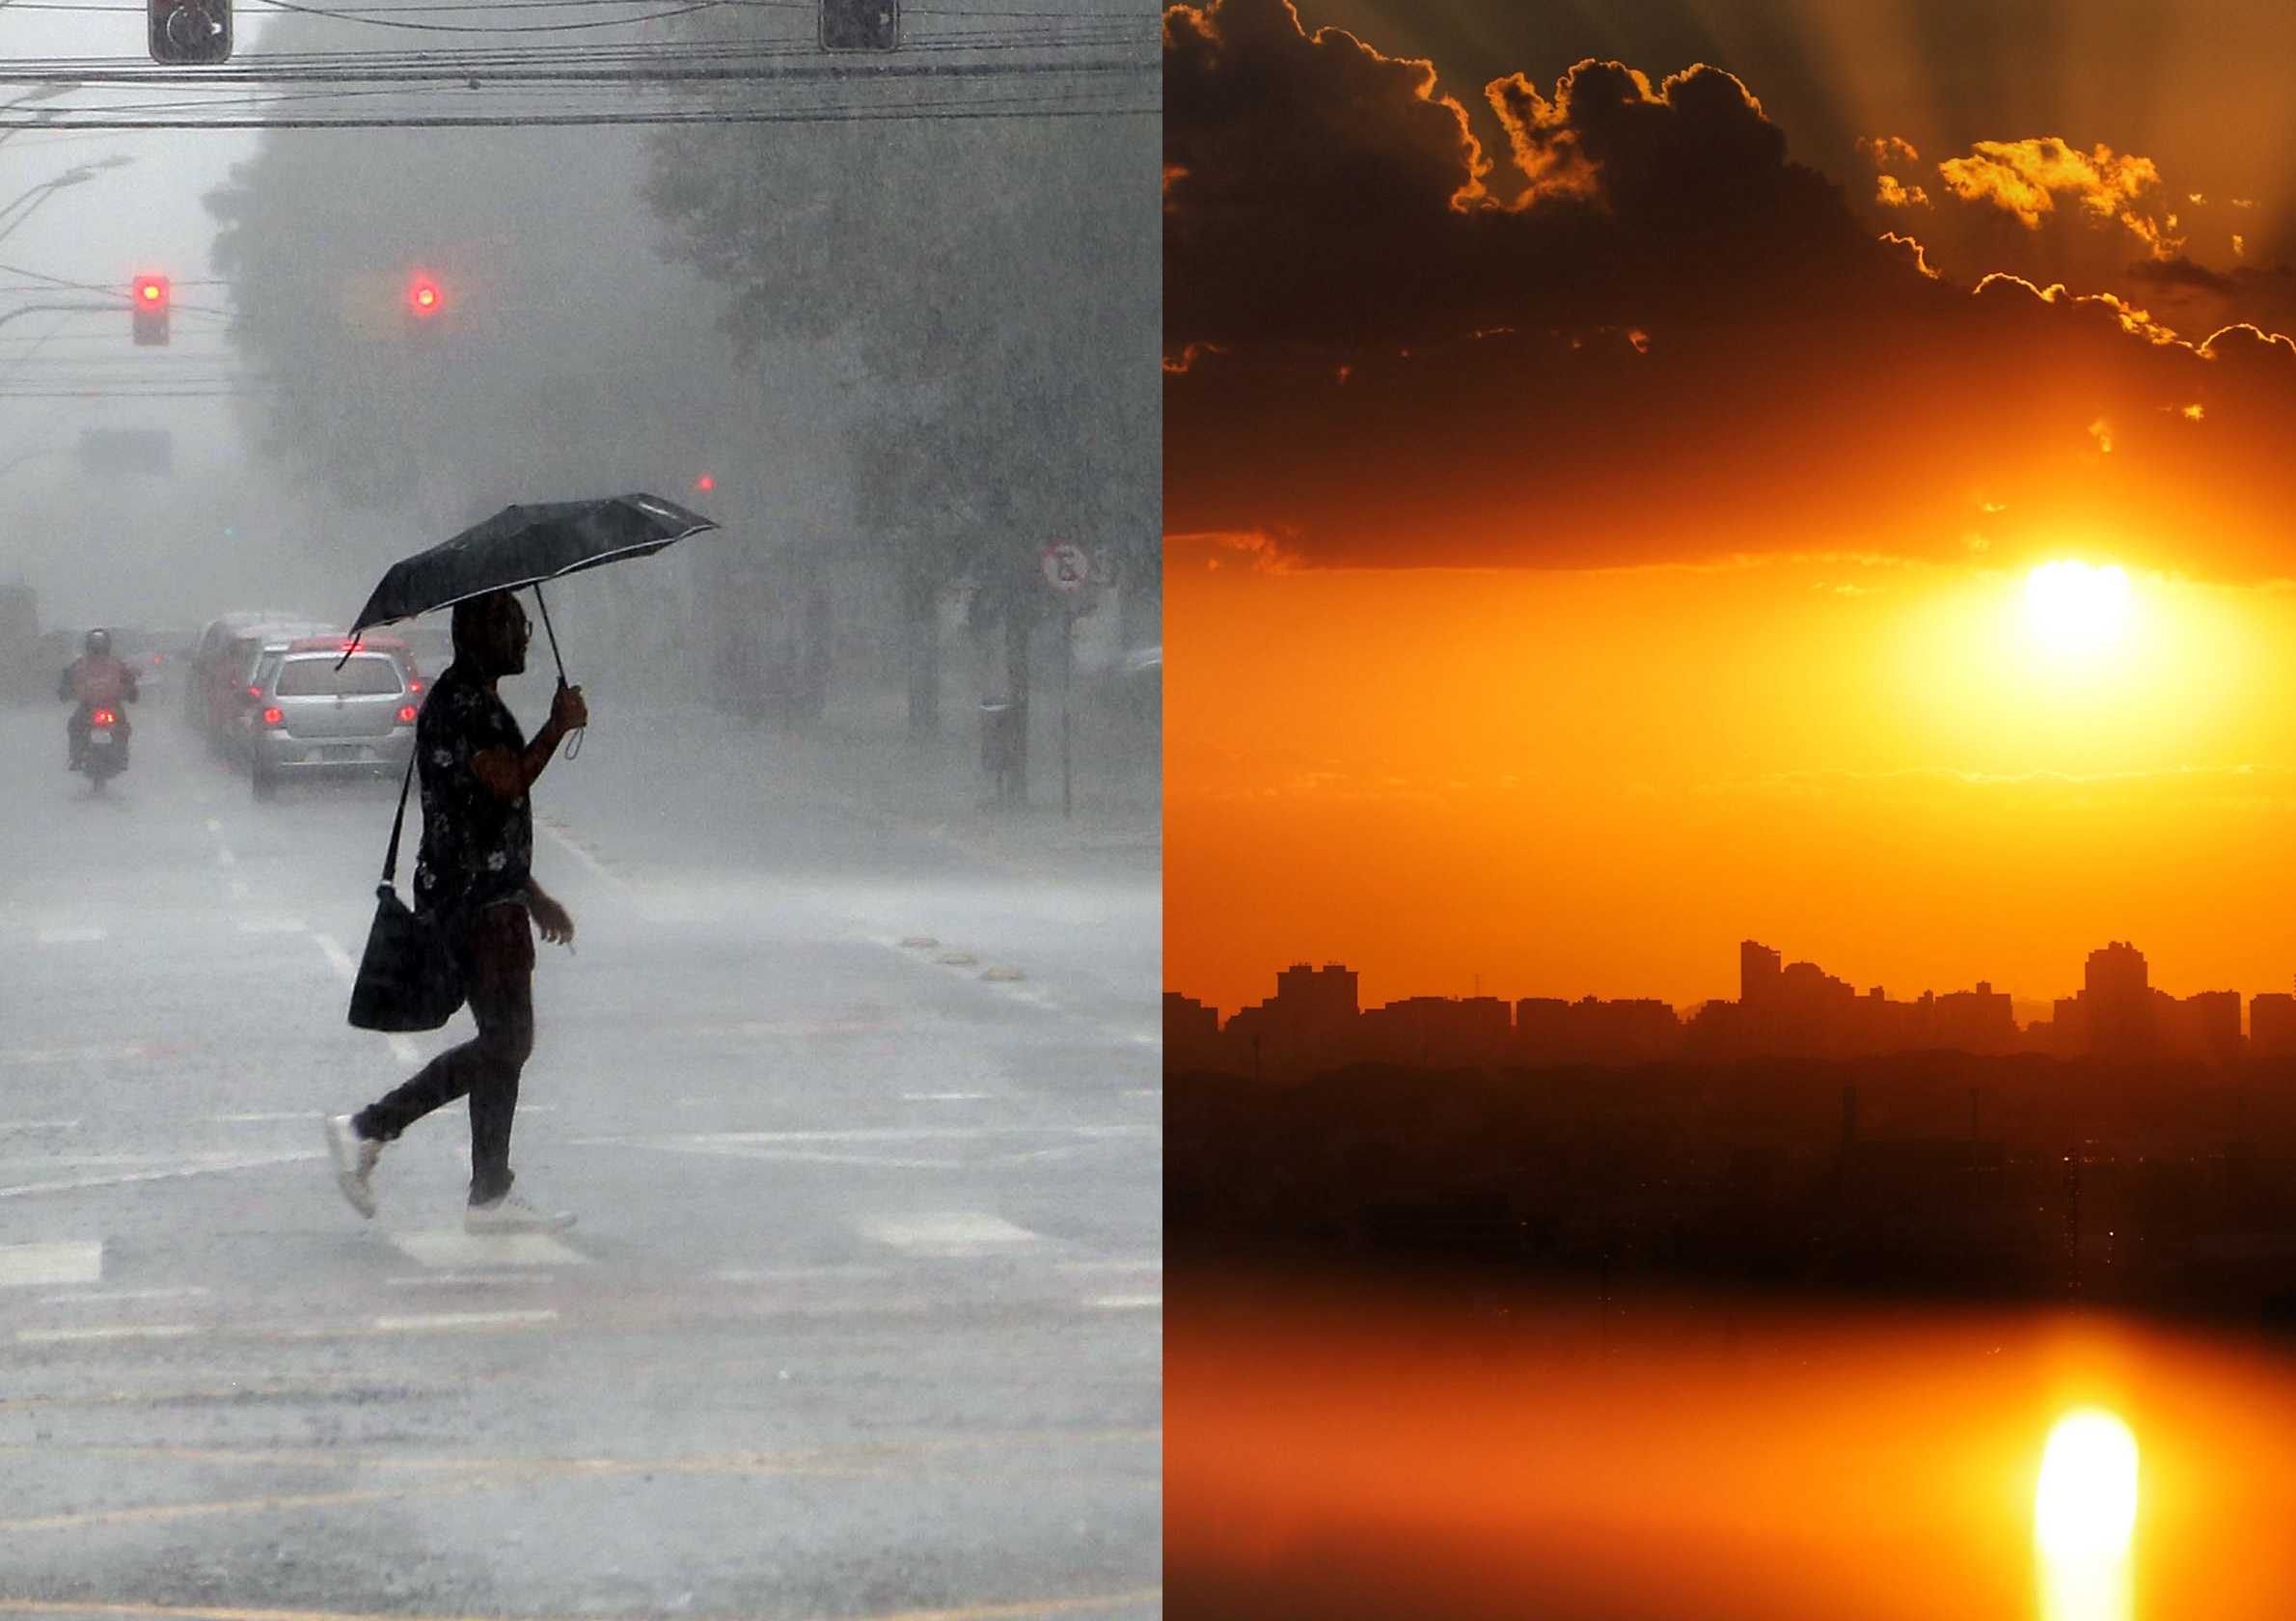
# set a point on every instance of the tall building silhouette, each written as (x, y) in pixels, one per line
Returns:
(1308, 1024)
(2271, 1025)
(2116, 1002)
(1760, 969)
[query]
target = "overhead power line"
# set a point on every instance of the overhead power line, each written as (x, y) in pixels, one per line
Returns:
(413, 72)
(567, 121)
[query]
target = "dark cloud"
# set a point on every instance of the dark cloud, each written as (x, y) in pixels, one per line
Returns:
(1643, 332)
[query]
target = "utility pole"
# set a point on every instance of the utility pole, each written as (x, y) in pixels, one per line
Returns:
(2072, 1221)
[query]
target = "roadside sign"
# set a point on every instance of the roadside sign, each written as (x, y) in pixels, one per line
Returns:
(1067, 568)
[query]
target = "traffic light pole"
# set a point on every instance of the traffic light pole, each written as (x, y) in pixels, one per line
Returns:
(1068, 706)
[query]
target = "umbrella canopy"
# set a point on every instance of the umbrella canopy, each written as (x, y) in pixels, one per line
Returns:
(525, 546)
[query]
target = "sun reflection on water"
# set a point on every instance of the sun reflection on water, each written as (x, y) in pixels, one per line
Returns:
(2083, 1515)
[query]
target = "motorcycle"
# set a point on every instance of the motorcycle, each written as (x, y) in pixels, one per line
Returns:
(106, 754)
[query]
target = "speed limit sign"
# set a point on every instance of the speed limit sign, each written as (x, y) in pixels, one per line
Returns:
(1067, 567)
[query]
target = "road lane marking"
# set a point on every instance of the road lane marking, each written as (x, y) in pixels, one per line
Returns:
(271, 925)
(581, 855)
(73, 1337)
(945, 1097)
(801, 1275)
(74, 934)
(1127, 1303)
(106, 1297)
(81, 1184)
(956, 1232)
(812, 1156)
(447, 1248)
(200, 1510)
(225, 1158)
(1145, 1598)
(48, 1265)
(444, 1279)
(444, 1321)
(864, 1134)
(95, 1050)
(38, 1125)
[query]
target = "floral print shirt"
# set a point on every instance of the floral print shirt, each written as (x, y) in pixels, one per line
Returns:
(476, 849)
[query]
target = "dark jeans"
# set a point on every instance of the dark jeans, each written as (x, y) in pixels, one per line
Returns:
(498, 964)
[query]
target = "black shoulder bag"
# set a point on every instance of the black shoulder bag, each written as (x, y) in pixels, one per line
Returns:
(408, 979)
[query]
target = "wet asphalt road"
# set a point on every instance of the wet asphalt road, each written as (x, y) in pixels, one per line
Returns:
(862, 1313)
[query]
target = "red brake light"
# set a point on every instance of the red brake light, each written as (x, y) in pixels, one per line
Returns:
(255, 692)
(157, 659)
(102, 717)
(415, 686)
(274, 715)
(407, 714)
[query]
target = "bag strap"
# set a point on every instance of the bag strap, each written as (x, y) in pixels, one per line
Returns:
(398, 822)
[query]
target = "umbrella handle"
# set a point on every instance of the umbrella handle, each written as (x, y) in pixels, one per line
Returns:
(573, 743)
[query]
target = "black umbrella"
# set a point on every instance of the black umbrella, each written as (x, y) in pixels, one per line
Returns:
(524, 546)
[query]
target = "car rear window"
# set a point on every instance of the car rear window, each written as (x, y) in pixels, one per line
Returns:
(366, 675)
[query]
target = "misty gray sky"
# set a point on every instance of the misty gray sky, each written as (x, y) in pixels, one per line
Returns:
(231, 527)
(144, 214)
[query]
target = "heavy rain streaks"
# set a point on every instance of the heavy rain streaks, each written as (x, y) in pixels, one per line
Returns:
(851, 1077)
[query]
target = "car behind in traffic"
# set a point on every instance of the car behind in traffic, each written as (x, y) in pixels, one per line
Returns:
(324, 710)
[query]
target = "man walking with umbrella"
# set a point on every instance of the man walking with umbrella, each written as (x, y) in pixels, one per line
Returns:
(474, 876)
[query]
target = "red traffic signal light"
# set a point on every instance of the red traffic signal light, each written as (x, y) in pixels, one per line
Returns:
(424, 298)
(152, 298)
(195, 33)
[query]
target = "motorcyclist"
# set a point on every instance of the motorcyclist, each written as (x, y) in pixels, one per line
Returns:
(97, 679)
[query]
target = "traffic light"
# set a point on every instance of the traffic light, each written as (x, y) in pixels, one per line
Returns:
(150, 295)
(858, 25)
(188, 33)
(425, 299)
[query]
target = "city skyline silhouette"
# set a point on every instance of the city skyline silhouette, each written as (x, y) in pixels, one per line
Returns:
(1316, 1019)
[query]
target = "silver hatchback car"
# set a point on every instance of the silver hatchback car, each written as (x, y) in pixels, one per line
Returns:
(317, 712)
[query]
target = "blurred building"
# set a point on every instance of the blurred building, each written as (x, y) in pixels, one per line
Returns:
(1438, 1032)
(2117, 1004)
(1192, 1034)
(1549, 1031)
(2271, 1025)
(1309, 1024)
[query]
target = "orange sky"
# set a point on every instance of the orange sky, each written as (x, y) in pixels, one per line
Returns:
(1582, 783)
(1566, 583)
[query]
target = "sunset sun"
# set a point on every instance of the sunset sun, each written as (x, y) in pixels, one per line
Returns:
(2075, 607)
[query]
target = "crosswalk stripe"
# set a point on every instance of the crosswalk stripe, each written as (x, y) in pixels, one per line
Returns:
(447, 1320)
(48, 1265)
(73, 1337)
(960, 1232)
(448, 1248)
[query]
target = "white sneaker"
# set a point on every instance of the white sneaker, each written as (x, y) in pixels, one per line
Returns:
(511, 1214)
(354, 1158)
